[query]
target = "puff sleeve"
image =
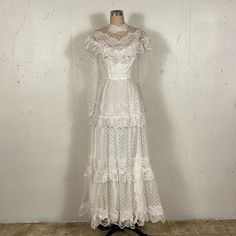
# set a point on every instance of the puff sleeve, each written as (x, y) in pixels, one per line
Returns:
(93, 72)
(145, 45)
(91, 44)
(145, 42)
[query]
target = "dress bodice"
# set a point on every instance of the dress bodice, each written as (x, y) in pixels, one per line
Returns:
(117, 65)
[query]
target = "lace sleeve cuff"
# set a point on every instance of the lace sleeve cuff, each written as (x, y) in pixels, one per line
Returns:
(145, 42)
(91, 44)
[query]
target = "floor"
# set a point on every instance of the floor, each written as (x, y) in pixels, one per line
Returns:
(169, 228)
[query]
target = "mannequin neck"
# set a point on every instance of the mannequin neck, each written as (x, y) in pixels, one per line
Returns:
(117, 20)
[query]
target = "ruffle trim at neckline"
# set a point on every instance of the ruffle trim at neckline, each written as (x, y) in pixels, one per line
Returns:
(117, 28)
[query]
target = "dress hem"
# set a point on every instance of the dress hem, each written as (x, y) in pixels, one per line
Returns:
(139, 222)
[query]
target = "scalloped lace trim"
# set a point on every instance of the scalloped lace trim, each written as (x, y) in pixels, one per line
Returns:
(153, 214)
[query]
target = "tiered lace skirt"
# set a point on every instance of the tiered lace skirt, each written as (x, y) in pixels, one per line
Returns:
(119, 183)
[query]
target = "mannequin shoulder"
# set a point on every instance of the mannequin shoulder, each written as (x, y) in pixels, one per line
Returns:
(101, 29)
(132, 28)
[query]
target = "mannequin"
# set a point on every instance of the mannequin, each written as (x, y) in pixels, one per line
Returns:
(117, 18)
(120, 190)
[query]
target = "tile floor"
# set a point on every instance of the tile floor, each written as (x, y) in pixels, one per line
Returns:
(169, 228)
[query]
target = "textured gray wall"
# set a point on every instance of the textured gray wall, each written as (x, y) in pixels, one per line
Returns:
(190, 95)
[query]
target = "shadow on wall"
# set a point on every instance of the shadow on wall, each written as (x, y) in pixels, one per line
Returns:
(79, 147)
(168, 176)
(164, 163)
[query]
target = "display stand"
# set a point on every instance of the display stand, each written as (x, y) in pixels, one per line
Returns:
(114, 228)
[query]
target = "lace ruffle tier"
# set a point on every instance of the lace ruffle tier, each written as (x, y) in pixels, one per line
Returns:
(121, 175)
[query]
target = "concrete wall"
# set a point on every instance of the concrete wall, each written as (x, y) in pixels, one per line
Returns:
(190, 94)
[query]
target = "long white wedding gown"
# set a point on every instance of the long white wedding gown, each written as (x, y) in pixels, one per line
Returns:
(119, 185)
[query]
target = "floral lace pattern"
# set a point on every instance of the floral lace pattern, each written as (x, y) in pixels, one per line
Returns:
(119, 183)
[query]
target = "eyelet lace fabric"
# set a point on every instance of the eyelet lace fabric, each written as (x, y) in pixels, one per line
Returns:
(119, 184)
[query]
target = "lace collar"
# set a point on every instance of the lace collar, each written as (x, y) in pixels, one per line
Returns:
(117, 28)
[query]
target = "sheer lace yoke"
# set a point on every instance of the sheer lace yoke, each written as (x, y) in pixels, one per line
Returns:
(118, 36)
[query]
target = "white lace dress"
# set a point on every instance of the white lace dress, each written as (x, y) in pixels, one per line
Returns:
(119, 184)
